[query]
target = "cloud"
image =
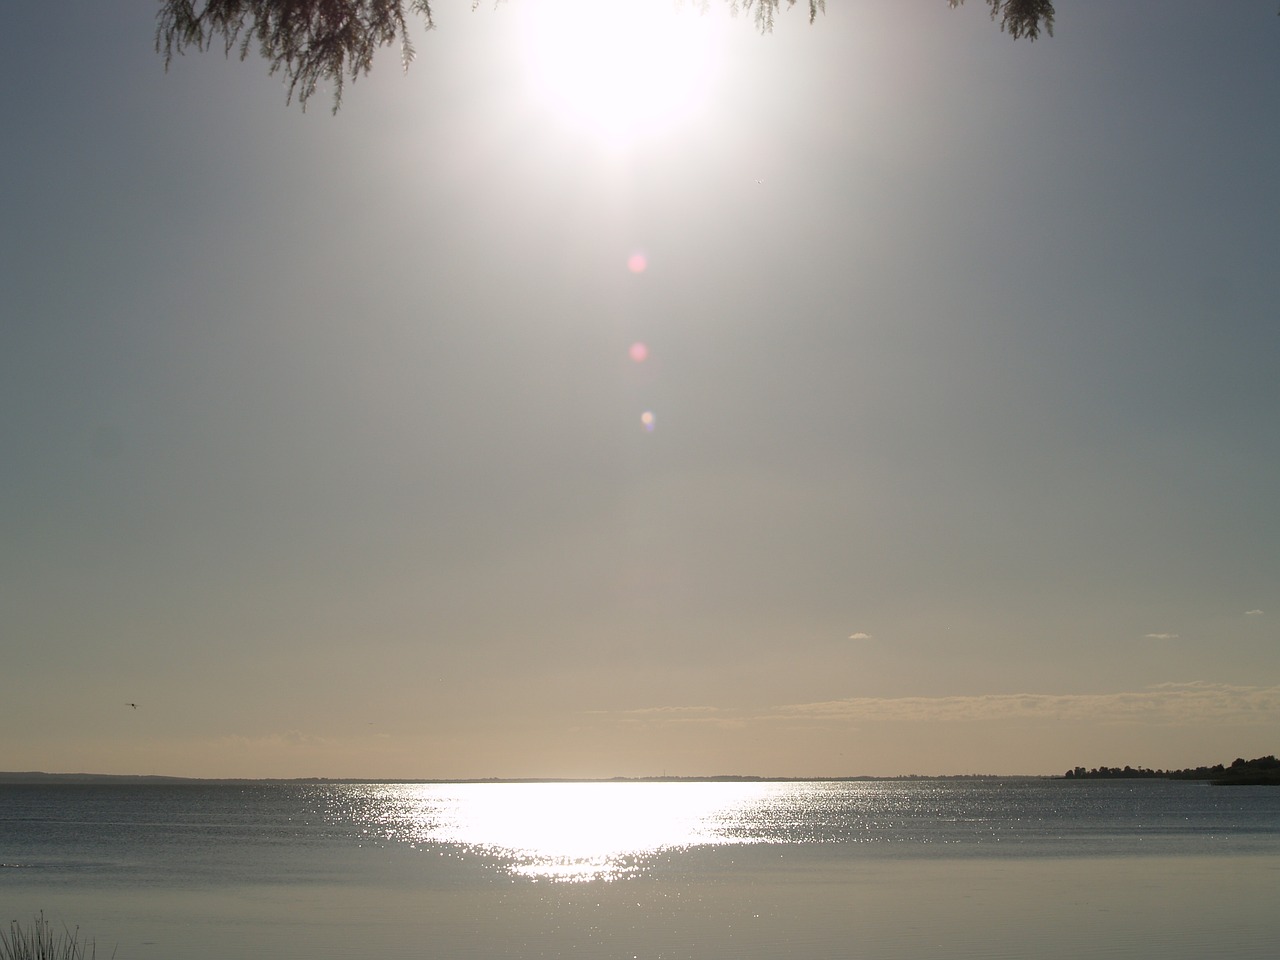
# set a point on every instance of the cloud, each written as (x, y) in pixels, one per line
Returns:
(660, 711)
(1161, 636)
(1172, 704)
(1253, 613)
(859, 636)
(1183, 704)
(281, 740)
(715, 716)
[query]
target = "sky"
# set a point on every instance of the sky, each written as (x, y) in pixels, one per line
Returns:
(876, 397)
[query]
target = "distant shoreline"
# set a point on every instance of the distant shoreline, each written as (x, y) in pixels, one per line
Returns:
(39, 777)
(1261, 771)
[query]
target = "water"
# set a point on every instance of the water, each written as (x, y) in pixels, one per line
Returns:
(892, 870)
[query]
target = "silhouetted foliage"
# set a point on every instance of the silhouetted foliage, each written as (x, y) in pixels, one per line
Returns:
(315, 41)
(1021, 18)
(306, 40)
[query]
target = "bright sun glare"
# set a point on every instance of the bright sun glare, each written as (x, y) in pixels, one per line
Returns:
(623, 69)
(572, 831)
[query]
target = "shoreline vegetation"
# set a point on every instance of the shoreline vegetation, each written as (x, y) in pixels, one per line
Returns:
(1262, 771)
(1240, 772)
(40, 941)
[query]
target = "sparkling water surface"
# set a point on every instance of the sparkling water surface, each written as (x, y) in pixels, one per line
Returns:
(897, 869)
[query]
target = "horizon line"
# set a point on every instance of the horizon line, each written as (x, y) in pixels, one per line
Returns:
(40, 776)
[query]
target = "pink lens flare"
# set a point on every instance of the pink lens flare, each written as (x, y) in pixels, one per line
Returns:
(646, 421)
(637, 263)
(638, 352)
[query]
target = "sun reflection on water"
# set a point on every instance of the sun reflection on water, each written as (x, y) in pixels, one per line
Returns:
(568, 831)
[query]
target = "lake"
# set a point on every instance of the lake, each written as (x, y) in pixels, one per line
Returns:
(889, 870)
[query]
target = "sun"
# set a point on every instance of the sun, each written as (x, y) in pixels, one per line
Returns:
(622, 69)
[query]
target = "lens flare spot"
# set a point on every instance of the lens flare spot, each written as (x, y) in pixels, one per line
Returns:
(638, 352)
(637, 263)
(646, 421)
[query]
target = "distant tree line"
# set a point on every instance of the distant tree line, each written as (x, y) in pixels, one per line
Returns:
(1262, 770)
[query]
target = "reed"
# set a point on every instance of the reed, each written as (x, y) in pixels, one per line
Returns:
(41, 942)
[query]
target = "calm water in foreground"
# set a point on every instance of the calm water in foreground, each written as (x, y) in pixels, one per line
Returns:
(739, 871)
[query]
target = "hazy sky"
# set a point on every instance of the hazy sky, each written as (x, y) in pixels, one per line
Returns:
(322, 437)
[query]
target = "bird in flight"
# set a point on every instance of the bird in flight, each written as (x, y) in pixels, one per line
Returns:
(134, 705)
